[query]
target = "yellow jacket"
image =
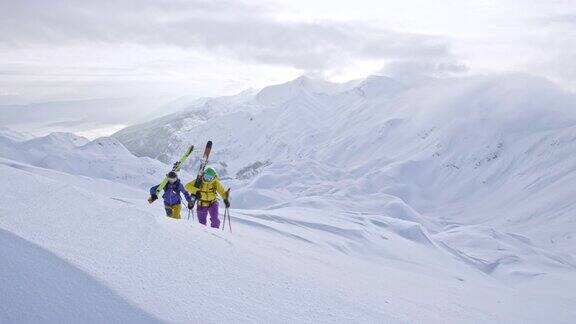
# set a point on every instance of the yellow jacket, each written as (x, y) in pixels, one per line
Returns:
(208, 190)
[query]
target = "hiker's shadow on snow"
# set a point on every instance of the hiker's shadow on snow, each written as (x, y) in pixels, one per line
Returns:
(39, 287)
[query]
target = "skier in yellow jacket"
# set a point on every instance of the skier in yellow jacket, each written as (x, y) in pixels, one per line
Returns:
(206, 197)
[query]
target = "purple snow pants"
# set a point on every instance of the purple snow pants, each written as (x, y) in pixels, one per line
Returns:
(203, 211)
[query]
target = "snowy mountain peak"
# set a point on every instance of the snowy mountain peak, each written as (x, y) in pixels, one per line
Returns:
(106, 145)
(376, 85)
(60, 139)
(279, 94)
(219, 103)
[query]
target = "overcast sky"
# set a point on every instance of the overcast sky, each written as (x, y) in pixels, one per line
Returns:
(58, 50)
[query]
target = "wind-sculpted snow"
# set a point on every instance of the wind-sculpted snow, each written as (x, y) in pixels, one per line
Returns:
(502, 254)
(110, 257)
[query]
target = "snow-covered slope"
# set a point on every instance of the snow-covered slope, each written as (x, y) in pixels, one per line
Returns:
(437, 201)
(491, 150)
(104, 158)
(90, 250)
(163, 138)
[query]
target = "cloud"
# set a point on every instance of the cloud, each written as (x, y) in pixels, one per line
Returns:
(409, 68)
(554, 52)
(568, 19)
(247, 32)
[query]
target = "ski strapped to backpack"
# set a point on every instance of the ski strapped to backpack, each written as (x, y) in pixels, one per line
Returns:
(203, 163)
(176, 167)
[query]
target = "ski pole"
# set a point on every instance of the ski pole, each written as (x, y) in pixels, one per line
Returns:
(229, 219)
(224, 222)
(227, 213)
(190, 212)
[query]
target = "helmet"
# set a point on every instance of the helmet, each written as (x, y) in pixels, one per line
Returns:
(210, 174)
(172, 177)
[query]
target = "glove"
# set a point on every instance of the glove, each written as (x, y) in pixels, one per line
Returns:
(227, 203)
(152, 198)
(190, 204)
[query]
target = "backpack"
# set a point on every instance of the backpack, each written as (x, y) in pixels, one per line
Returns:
(174, 187)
